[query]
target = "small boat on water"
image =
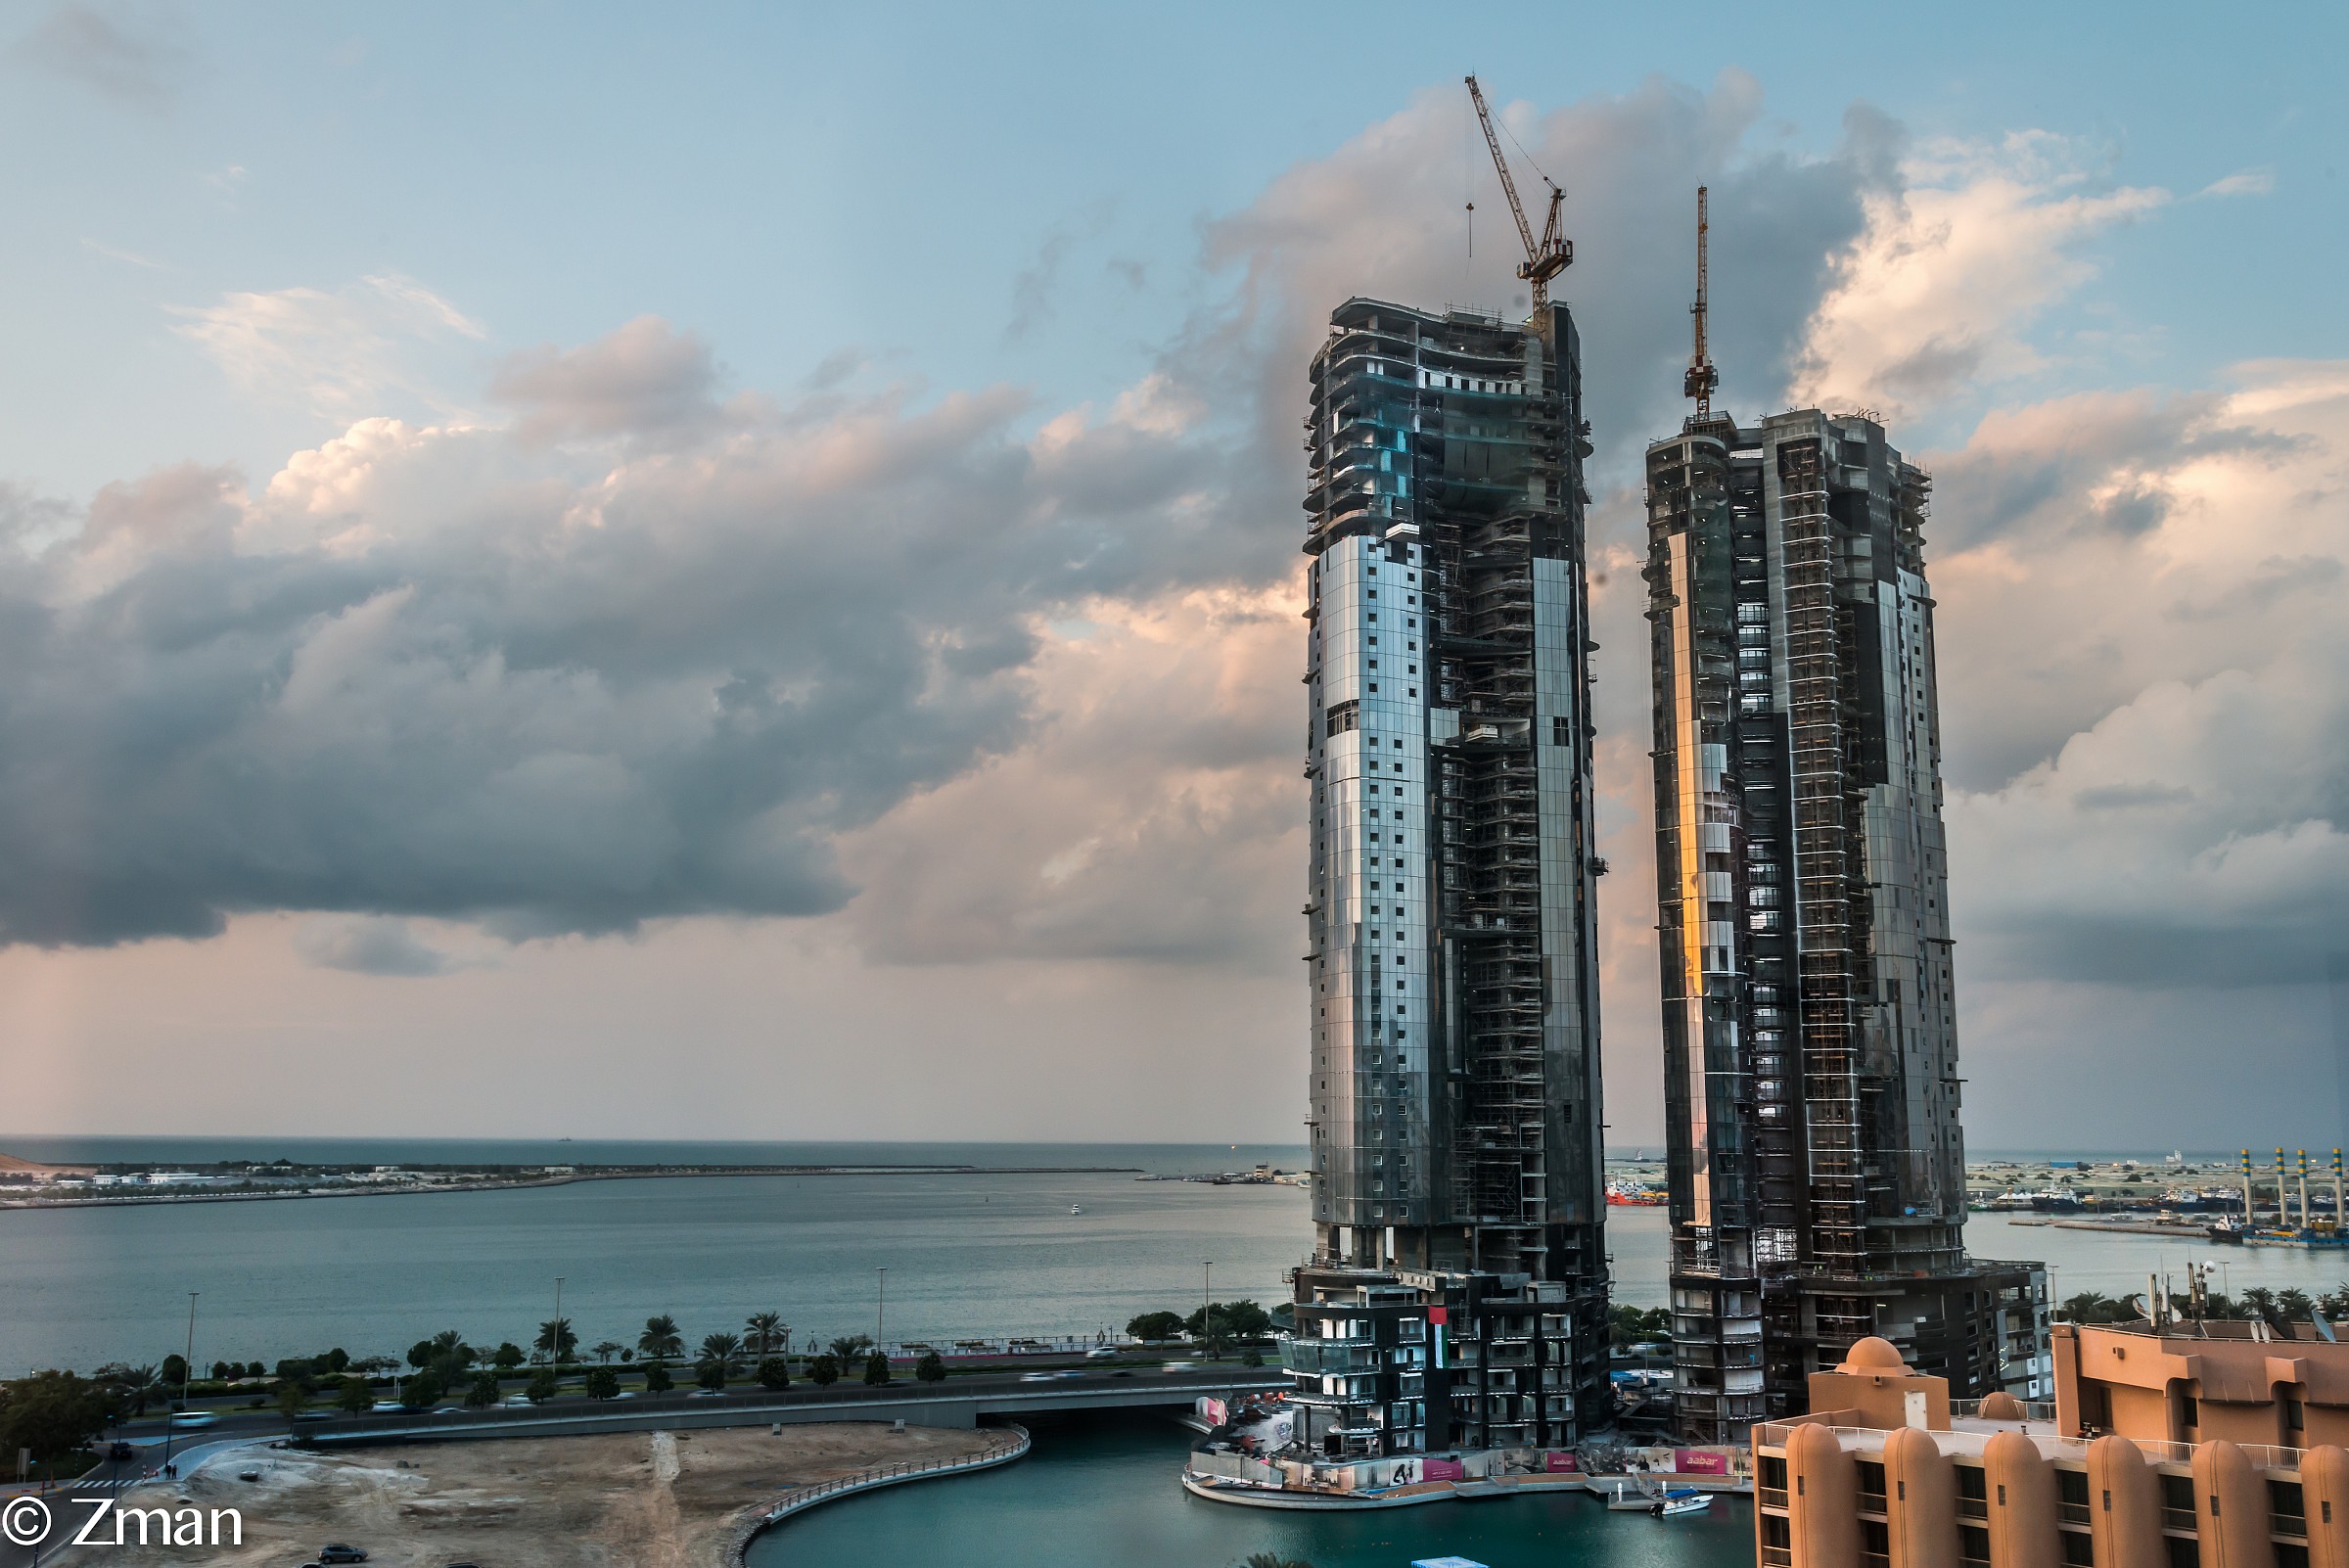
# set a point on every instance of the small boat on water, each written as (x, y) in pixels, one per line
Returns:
(1682, 1500)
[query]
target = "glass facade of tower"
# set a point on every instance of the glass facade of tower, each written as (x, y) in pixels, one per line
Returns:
(1456, 1157)
(1810, 1057)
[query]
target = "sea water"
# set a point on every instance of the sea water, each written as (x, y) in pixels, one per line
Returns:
(1093, 1494)
(967, 1255)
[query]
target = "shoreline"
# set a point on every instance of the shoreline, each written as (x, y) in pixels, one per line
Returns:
(565, 1178)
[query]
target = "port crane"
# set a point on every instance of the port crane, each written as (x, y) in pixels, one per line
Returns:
(1553, 254)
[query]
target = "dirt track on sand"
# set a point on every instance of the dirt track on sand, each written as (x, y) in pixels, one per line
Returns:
(638, 1499)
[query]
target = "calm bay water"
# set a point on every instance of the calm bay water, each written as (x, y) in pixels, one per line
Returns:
(967, 1255)
(1099, 1492)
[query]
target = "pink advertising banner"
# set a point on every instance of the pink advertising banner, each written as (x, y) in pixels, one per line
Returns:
(1559, 1464)
(1699, 1461)
(1444, 1470)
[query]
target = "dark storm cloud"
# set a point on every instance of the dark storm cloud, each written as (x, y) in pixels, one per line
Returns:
(649, 653)
(2147, 724)
(442, 673)
(2087, 464)
(369, 944)
(106, 52)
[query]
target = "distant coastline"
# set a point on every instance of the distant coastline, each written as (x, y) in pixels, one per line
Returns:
(488, 1182)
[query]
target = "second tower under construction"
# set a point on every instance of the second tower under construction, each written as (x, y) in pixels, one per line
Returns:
(1816, 1168)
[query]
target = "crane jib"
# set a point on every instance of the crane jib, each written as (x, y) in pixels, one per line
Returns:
(1552, 253)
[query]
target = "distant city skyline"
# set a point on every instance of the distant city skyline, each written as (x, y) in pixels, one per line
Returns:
(737, 577)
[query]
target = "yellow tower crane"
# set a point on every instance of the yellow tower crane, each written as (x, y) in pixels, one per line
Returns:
(1703, 378)
(1554, 252)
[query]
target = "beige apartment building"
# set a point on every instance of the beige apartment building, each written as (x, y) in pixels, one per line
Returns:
(2179, 1445)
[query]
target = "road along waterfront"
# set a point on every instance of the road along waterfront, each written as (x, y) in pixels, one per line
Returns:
(1105, 1489)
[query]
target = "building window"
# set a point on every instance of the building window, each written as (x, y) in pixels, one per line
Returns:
(2079, 1548)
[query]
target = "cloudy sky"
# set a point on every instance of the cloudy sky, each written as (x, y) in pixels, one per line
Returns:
(732, 570)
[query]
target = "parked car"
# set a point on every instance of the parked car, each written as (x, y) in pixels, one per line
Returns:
(249, 1475)
(334, 1551)
(119, 1450)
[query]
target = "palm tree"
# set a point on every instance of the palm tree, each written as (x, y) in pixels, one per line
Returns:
(764, 1328)
(137, 1384)
(557, 1340)
(2089, 1306)
(2294, 1305)
(723, 1349)
(606, 1349)
(661, 1338)
(449, 1345)
(852, 1348)
(2264, 1302)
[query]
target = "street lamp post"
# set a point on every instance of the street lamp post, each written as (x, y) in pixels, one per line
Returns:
(186, 1363)
(1207, 1306)
(881, 1312)
(185, 1367)
(554, 1334)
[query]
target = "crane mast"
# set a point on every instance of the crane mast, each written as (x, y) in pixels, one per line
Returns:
(1703, 378)
(1554, 253)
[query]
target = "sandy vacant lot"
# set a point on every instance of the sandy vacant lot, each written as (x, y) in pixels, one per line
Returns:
(651, 1499)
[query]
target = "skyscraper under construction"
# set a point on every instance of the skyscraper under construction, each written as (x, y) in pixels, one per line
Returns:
(1457, 1292)
(1816, 1172)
